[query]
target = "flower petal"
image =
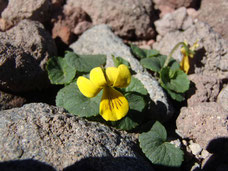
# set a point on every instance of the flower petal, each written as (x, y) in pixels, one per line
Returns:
(184, 64)
(123, 78)
(114, 106)
(87, 87)
(111, 74)
(97, 77)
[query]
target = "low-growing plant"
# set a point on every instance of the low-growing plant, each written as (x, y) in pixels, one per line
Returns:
(115, 97)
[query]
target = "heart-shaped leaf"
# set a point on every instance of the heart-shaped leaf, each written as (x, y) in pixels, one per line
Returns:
(143, 53)
(59, 72)
(175, 80)
(84, 63)
(136, 86)
(157, 150)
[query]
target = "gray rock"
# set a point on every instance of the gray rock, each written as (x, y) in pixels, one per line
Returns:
(49, 135)
(178, 20)
(211, 57)
(24, 51)
(223, 98)
(26, 9)
(205, 89)
(203, 123)
(128, 18)
(101, 40)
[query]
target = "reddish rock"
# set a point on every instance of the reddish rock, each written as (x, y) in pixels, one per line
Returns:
(26, 9)
(202, 123)
(215, 14)
(57, 3)
(205, 89)
(73, 21)
(128, 19)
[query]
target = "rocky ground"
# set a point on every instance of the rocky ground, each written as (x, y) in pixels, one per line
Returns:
(37, 135)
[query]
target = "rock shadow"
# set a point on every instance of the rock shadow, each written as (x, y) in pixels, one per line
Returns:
(25, 165)
(109, 164)
(219, 160)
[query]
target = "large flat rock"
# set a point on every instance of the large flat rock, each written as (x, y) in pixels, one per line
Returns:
(43, 136)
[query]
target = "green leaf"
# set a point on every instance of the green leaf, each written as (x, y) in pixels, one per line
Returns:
(140, 53)
(135, 115)
(129, 122)
(119, 60)
(143, 53)
(157, 150)
(136, 86)
(175, 80)
(136, 102)
(152, 53)
(74, 102)
(84, 63)
(175, 96)
(59, 72)
(154, 64)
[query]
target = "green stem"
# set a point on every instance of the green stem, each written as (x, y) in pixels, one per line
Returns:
(173, 50)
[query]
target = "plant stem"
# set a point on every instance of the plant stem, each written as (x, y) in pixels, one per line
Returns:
(172, 51)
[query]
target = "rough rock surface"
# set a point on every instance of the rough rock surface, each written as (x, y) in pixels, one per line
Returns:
(8, 101)
(46, 134)
(24, 50)
(177, 20)
(211, 57)
(167, 6)
(128, 18)
(203, 122)
(223, 98)
(101, 40)
(73, 21)
(26, 9)
(215, 14)
(205, 89)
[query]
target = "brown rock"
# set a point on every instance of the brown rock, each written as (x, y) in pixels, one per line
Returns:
(166, 6)
(57, 3)
(215, 14)
(203, 122)
(128, 19)
(205, 89)
(24, 51)
(73, 21)
(8, 101)
(26, 9)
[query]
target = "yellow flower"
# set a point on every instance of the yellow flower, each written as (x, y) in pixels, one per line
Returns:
(184, 64)
(114, 106)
